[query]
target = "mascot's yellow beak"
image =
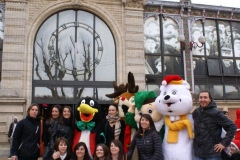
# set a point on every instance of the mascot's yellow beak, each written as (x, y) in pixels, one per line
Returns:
(86, 112)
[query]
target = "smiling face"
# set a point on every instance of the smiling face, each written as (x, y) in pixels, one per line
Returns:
(66, 113)
(112, 111)
(99, 152)
(144, 123)
(62, 147)
(114, 149)
(55, 113)
(80, 152)
(204, 99)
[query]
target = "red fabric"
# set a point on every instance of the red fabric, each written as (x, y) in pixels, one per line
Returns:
(92, 140)
(237, 122)
(170, 78)
(237, 143)
(127, 138)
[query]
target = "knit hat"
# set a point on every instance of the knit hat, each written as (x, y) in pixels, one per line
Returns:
(144, 97)
(236, 143)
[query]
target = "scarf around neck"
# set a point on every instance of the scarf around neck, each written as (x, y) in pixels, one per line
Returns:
(175, 127)
(117, 129)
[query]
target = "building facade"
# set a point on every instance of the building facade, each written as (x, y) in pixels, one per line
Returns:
(56, 51)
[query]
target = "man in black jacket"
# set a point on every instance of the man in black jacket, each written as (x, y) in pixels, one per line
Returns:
(208, 124)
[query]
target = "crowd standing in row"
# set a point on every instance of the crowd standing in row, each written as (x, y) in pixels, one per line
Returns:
(58, 135)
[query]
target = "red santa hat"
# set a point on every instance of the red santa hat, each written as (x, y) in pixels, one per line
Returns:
(236, 144)
(172, 79)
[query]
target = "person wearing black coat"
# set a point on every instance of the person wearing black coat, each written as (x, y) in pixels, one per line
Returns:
(62, 150)
(63, 128)
(26, 136)
(147, 140)
(56, 111)
(208, 124)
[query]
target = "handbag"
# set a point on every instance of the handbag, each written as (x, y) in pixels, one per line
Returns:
(41, 146)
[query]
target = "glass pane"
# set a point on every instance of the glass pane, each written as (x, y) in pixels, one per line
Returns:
(213, 67)
(107, 57)
(153, 65)
(154, 88)
(196, 32)
(44, 93)
(238, 66)
(173, 65)
(211, 38)
(152, 35)
(199, 66)
(170, 34)
(102, 91)
(84, 92)
(65, 93)
(228, 67)
(66, 44)
(236, 38)
(216, 91)
(231, 92)
(44, 59)
(198, 89)
(225, 38)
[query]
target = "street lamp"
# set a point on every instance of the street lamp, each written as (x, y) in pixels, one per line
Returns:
(192, 44)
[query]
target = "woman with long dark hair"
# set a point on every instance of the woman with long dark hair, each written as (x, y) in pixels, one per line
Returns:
(63, 128)
(116, 150)
(113, 127)
(101, 152)
(147, 141)
(81, 152)
(56, 112)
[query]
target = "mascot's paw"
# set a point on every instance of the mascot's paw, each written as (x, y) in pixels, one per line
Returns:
(102, 138)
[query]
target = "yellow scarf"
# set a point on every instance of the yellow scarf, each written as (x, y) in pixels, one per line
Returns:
(174, 127)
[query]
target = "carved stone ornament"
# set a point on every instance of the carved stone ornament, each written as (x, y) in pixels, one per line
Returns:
(76, 3)
(134, 3)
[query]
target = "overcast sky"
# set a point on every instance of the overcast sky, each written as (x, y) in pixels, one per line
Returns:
(225, 3)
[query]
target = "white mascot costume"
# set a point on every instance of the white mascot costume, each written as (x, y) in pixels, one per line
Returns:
(175, 103)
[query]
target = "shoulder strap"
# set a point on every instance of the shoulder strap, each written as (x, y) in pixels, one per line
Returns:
(41, 130)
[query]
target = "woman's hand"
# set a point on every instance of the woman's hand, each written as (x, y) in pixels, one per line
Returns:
(56, 155)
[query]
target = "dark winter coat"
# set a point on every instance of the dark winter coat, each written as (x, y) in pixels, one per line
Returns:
(214, 120)
(64, 129)
(149, 146)
(26, 138)
(10, 129)
(47, 130)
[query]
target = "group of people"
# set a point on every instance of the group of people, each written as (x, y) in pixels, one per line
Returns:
(58, 133)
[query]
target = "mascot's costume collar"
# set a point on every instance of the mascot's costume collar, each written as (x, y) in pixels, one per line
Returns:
(88, 115)
(175, 103)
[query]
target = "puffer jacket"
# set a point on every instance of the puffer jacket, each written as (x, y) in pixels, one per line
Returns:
(149, 146)
(26, 138)
(47, 130)
(214, 120)
(61, 130)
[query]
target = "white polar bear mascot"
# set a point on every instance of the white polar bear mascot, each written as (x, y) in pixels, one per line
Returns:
(175, 103)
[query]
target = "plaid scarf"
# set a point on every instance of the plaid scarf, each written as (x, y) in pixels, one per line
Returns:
(117, 129)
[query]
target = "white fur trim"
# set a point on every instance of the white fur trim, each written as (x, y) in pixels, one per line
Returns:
(235, 145)
(164, 83)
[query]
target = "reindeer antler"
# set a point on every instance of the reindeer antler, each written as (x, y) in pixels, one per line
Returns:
(118, 90)
(131, 87)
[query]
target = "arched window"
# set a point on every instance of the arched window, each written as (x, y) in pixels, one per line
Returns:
(73, 56)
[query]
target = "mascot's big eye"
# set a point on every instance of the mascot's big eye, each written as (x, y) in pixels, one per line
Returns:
(132, 100)
(150, 110)
(91, 103)
(174, 92)
(164, 93)
(140, 113)
(83, 101)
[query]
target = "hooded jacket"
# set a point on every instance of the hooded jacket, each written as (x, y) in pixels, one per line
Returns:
(214, 121)
(26, 138)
